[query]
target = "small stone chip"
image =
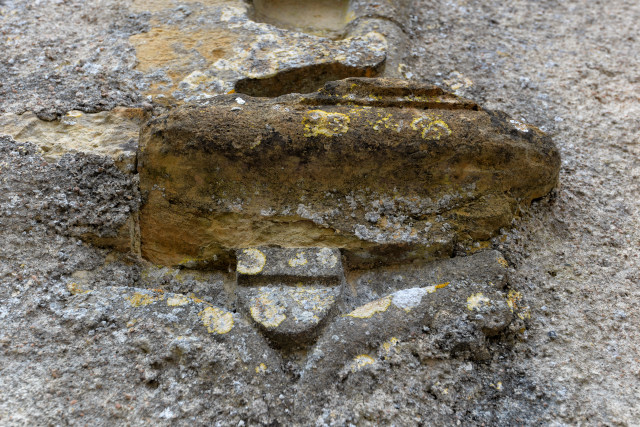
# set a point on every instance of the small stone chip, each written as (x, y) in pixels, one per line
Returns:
(368, 310)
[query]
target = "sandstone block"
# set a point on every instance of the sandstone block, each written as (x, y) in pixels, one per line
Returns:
(386, 170)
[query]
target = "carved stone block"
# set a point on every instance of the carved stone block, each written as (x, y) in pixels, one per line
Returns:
(386, 170)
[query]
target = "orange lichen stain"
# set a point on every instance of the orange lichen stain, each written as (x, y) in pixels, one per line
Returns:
(216, 320)
(75, 289)
(368, 310)
(131, 323)
(130, 113)
(139, 299)
(154, 48)
(433, 288)
(196, 299)
(503, 262)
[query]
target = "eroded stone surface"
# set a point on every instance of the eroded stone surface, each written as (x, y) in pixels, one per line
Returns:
(91, 198)
(550, 63)
(361, 338)
(384, 169)
(193, 321)
(289, 293)
(487, 267)
(289, 315)
(214, 48)
(113, 134)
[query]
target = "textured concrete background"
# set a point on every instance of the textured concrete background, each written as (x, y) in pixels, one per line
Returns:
(68, 357)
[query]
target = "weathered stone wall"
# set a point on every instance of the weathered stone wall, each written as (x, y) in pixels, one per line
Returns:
(533, 324)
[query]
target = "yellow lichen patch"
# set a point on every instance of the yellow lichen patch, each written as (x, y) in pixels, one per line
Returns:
(431, 129)
(514, 301)
(416, 123)
(265, 311)
(435, 130)
(318, 122)
(75, 289)
(524, 314)
(503, 262)
(261, 368)
(497, 386)
(522, 127)
(298, 260)
(139, 299)
(382, 120)
(251, 261)
(513, 298)
(368, 310)
(177, 300)
(361, 361)
(216, 320)
(388, 346)
(475, 301)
